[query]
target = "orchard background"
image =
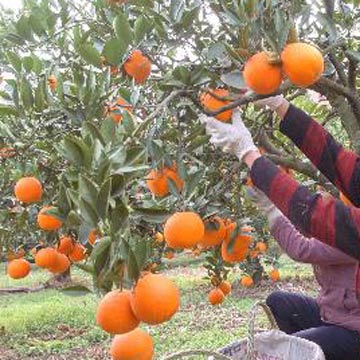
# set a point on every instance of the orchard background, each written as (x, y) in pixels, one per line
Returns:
(98, 98)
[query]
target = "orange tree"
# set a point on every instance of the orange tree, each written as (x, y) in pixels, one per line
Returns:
(97, 94)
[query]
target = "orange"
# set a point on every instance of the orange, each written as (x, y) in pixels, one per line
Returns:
(134, 345)
(216, 297)
(93, 236)
(138, 66)
(28, 190)
(47, 257)
(66, 245)
(78, 253)
(52, 81)
(114, 314)
(156, 299)
(261, 246)
(215, 232)
(225, 287)
(48, 222)
(169, 254)
(117, 109)
(61, 265)
(239, 250)
(260, 75)
(157, 181)
(18, 268)
(7, 152)
(184, 230)
(345, 200)
(212, 103)
(247, 281)
(159, 237)
(274, 275)
(253, 254)
(12, 255)
(302, 63)
(247, 229)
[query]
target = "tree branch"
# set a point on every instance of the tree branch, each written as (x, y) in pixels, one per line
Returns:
(339, 68)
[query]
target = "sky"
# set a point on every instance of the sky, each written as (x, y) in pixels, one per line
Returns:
(15, 4)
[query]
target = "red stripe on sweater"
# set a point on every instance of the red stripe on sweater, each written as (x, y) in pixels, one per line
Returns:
(345, 165)
(282, 189)
(314, 142)
(324, 212)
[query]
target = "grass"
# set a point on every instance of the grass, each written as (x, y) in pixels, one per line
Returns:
(37, 325)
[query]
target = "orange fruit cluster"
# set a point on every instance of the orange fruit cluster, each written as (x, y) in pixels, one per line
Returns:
(138, 66)
(158, 181)
(154, 300)
(216, 296)
(301, 63)
(213, 101)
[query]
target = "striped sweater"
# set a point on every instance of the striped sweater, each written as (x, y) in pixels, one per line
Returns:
(324, 218)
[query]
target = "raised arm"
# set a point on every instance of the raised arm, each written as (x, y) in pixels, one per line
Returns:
(303, 249)
(340, 166)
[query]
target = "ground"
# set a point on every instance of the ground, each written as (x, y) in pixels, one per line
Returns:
(49, 325)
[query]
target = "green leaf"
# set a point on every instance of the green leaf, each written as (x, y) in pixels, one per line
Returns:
(14, 60)
(8, 110)
(177, 8)
(131, 169)
(101, 248)
(88, 190)
(26, 94)
(234, 79)
(90, 54)
(123, 30)
(76, 290)
(102, 203)
(114, 50)
(37, 65)
(23, 28)
(140, 28)
(118, 217)
(28, 63)
(88, 213)
(151, 215)
(40, 97)
(193, 180)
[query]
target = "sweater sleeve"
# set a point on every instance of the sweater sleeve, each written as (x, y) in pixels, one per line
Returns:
(324, 218)
(340, 166)
(303, 249)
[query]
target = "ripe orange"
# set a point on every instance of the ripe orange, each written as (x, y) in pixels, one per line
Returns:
(7, 152)
(61, 264)
(18, 268)
(216, 296)
(247, 281)
(48, 222)
(345, 200)
(138, 66)
(261, 246)
(260, 75)
(159, 237)
(157, 181)
(65, 245)
(12, 255)
(302, 63)
(114, 313)
(134, 345)
(215, 232)
(253, 254)
(169, 254)
(225, 287)
(78, 253)
(117, 109)
(274, 275)
(239, 251)
(93, 236)
(184, 230)
(156, 299)
(47, 257)
(52, 81)
(212, 103)
(28, 190)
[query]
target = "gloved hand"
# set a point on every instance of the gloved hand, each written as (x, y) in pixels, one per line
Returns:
(264, 204)
(232, 138)
(272, 102)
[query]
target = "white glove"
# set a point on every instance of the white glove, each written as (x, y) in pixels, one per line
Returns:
(264, 204)
(272, 102)
(232, 138)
